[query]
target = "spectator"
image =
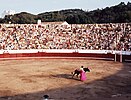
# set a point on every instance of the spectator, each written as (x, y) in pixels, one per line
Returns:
(87, 36)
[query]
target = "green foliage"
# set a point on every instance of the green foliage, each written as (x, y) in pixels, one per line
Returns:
(120, 13)
(21, 18)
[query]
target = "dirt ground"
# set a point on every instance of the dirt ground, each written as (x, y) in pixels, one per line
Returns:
(31, 79)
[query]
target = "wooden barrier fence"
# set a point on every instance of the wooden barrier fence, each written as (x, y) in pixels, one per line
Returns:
(108, 56)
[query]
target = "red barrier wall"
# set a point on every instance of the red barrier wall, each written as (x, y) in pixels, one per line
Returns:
(75, 54)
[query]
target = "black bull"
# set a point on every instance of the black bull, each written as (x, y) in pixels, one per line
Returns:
(77, 71)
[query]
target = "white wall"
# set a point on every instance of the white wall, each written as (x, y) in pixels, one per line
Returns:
(65, 51)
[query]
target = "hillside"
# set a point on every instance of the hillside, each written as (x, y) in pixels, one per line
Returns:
(120, 13)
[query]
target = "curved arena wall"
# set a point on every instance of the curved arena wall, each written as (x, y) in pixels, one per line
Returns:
(88, 54)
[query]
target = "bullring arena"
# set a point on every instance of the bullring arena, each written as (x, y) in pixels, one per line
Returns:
(31, 77)
(29, 71)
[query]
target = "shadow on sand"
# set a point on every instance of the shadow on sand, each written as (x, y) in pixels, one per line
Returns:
(114, 87)
(66, 76)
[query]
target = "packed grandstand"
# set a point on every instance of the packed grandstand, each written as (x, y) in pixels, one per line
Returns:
(79, 36)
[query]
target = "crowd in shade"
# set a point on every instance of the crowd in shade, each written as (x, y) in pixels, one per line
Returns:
(80, 36)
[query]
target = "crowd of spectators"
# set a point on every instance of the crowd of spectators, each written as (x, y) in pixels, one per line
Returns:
(80, 36)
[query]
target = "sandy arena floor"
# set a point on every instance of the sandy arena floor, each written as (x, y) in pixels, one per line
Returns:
(33, 78)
